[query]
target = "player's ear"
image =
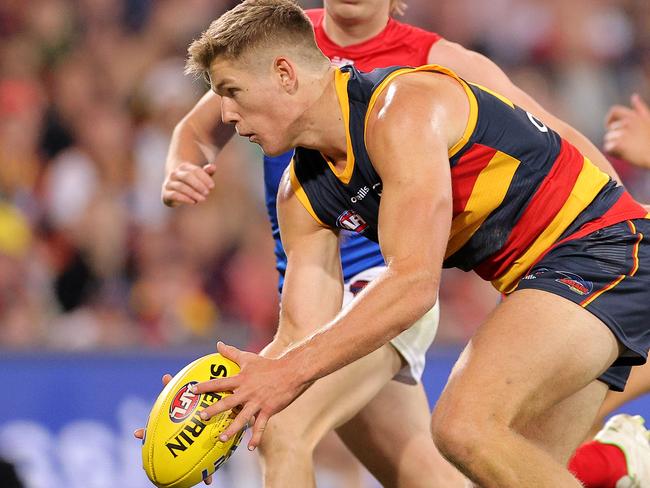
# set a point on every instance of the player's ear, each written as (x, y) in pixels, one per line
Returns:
(286, 72)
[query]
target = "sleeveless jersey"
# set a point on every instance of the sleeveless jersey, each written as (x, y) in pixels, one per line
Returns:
(517, 186)
(397, 44)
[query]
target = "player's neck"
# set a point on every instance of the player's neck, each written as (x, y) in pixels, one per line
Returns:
(321, 126)
(349, 32)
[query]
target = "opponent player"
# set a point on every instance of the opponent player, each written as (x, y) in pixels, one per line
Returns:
(371, 39)
(521, 197)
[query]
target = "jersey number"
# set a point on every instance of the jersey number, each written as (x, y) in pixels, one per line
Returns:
(537, 123)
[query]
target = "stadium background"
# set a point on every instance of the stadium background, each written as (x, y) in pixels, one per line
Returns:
(102, 289)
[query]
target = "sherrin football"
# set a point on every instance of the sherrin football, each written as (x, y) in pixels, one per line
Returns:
(180, 449)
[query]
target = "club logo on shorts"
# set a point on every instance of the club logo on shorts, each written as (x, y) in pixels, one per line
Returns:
(350, 220)
(184, 403)
(358, 285)
(575, 283)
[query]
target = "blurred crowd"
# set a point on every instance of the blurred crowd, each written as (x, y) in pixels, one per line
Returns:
(90, 91)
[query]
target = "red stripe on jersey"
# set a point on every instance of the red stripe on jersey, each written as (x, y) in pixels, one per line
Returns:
(465, 173)
(548, 200)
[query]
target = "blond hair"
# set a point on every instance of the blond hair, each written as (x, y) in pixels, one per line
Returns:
(251, 24)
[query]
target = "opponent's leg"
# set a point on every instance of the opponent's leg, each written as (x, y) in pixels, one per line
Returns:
(291, 435)
(390, 436)
(536, 350)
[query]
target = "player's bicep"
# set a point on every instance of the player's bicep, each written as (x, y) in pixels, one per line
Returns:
(313, 284)
(408, 143)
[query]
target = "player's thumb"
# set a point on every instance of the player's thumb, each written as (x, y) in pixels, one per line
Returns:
(210, 168)
(639, 105)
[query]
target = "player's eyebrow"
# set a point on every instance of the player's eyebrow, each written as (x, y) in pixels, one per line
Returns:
(220, 86)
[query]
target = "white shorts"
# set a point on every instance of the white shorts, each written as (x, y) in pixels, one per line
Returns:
(413, 343)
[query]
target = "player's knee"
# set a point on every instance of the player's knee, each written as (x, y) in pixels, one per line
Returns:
(458, 435)
(284, 438)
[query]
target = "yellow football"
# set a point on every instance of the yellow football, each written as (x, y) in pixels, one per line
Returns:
(180, 449)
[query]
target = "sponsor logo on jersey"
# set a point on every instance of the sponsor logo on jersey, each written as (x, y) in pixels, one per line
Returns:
(377, 187)
(575, 283)
(350, 220)
(184, 403)
(361, 194)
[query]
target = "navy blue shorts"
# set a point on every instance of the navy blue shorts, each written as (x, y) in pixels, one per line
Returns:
(607, 273)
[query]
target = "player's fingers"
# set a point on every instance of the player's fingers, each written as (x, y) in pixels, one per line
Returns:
(258, 431)
(222, 405)
(174, 198)
(210, 168)
(204, 177)
(166, 378)
(617, 112)
(639, 105)
(240, 422)
(208, 480)
(230, 352)
(197, 179)
(611, 142)
(216, 385)
(138, 433)
(184, 189)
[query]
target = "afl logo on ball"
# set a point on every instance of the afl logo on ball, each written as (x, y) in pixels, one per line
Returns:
(184, 403)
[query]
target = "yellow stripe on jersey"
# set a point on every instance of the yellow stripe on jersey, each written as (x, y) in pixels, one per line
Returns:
(341, 85)
(590, 181)
(300, 193)
(495, 94)
(488, 193)
(473, 104)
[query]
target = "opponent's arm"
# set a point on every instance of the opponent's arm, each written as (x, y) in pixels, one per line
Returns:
(195, 143)
(476, 68)
(313, 285)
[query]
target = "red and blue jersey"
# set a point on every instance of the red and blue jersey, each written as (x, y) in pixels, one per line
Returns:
(397, 44)
(517, 186)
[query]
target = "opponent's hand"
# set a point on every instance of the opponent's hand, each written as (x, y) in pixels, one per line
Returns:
(139, 433)
(262, 388)
(628, 132)
(188, 183)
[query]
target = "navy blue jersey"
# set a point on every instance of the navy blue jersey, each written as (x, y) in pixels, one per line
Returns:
(517, 186)
(357, 252)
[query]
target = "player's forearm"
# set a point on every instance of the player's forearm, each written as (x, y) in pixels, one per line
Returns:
(189, 144)
(388, 306)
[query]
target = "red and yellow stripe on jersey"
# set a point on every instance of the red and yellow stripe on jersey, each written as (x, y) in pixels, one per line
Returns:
(518, 187)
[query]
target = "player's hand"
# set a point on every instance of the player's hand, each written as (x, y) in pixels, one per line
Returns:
(139, 433)
(628, 132)
(262, 388)
(188, 183)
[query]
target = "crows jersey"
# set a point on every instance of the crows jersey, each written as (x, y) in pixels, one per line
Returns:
(517, 186)
(397, 44)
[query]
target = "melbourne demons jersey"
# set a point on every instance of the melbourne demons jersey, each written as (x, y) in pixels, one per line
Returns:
(517, 186)
(397, 44)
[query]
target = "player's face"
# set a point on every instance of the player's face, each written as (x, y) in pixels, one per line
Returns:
(356, 10)
(252, 100)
